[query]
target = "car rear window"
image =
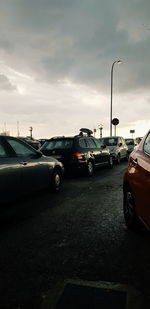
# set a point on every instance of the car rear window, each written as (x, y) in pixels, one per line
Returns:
(82, 143)
(91, 143)
(110, 141)
(129, 141)
(98, 143)
(58, 144)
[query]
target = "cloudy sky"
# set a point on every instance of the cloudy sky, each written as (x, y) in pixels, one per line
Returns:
(55, 64)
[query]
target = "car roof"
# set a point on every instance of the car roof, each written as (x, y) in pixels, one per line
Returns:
(59, 137)
(70, 137)
(111, 137)
(3, 135)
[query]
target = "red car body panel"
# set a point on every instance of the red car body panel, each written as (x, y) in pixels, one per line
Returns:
(137, 176)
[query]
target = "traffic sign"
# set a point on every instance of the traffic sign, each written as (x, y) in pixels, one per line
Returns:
(132, 131)
(115, 121)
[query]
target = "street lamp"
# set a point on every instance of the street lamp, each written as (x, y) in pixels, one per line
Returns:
(100, 128)
(118, 61)
(31, 129)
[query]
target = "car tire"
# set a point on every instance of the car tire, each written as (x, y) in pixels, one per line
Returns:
(130, 216)
(118, 159)
(110, 162)
(56, 180)
(89, 168)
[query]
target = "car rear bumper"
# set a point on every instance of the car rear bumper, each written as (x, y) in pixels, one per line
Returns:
(75, 166)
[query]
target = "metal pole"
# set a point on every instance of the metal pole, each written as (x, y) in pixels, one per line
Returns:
(31, 129)
(111, 99)
(18, 133)
(101, 132)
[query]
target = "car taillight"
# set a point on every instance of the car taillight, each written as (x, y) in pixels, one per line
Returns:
(77, 155)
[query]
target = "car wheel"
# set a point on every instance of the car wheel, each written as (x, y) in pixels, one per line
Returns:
(110, 162)
(118, 159)
(56, 180)
(130, 216)
(89, 168)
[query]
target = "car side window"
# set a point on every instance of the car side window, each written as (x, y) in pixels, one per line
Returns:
(82, 143)
(20, 149)
(147, 144)
(3, 153)
(91, 143)
(58, 144)
(98, 143)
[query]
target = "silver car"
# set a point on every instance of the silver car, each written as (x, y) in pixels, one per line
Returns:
(23, 169)
(117, 147)
(131, 143)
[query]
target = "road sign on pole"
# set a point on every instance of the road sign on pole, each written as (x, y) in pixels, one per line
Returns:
(115, 122)
(132, 131)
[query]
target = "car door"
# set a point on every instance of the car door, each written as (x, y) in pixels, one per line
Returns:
(34, 172)
(124, 148)
(142, 180)
(10, 174)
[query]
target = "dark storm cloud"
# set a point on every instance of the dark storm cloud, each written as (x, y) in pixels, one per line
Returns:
(5, 83)
(78, 40)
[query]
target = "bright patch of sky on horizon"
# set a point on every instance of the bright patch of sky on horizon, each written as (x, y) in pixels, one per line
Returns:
(55, 64)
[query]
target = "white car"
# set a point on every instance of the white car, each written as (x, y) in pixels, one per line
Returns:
(131, 143)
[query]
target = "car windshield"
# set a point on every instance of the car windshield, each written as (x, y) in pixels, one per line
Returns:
(110, 141)
(129, 141)
(58, 144)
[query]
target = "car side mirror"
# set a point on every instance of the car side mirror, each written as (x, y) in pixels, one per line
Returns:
(37, 155)
(103, 146)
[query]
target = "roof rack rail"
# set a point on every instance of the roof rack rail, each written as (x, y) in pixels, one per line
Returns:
(55, 137)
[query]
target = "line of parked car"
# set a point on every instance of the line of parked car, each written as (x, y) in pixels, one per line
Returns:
(87, 152)
(24, 169)
(82, 152)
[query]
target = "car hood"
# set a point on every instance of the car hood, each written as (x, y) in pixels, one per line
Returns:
(112, 148)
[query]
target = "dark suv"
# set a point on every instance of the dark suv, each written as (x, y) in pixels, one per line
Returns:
(81, 152)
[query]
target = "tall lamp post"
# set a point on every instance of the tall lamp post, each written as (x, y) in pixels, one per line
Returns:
(112, 68)
(100, 129)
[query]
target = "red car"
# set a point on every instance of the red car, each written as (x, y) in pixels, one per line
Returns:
(136, 186)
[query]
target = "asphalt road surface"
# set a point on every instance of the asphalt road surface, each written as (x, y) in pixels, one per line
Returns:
(78, 233)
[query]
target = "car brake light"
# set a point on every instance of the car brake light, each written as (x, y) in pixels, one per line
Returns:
(77, 155)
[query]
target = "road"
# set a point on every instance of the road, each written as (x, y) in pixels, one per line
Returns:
(79, 233)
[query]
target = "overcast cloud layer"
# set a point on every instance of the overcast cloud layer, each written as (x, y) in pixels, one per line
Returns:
(56, 58)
